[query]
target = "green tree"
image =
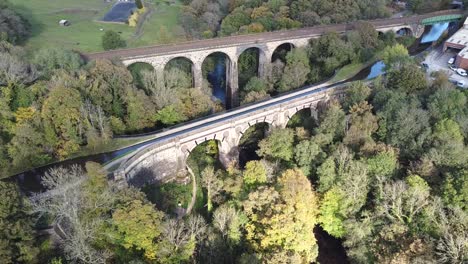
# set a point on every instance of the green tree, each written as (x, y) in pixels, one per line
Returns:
(50, 59)
(394, 56)
(212, 183)
(112, 40)
(278, 145)
(330, 217)
(17, 238)
(296, 70)
(356, 93)
(255, 174)
(14, 27)
(170, 115)
(332, 121)
(128, 222)
(305, 153)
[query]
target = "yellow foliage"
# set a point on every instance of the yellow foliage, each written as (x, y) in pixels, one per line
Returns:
(133, 19)
(24, 114)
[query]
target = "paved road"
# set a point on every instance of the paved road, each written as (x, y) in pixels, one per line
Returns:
(258, 38)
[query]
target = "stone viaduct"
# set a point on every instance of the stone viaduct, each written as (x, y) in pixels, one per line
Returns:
(168, 151)
(266, 43)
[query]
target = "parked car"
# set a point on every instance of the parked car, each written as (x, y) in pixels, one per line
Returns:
(461, 83)
(461, 72)
(453, 68)
(451, 60)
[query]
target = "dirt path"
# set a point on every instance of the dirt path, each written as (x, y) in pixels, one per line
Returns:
(141, 22)
(194, 191)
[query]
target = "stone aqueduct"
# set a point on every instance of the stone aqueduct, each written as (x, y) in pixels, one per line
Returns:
(168, 151)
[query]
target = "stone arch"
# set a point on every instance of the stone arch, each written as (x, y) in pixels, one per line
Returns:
(256, 68)
(404, 31)
(182, 63)
(219, 81)
(305, 116)
(187, 148)
(286, 46)
(137, 68)
(240, 130)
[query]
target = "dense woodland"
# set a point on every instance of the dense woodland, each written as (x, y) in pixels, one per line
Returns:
(385, 170)
(55, 106)
(209, 18)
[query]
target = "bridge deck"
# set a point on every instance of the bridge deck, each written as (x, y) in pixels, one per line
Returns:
(260, 37)
(441, 19)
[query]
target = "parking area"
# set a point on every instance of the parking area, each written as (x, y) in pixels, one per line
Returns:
(437, 60)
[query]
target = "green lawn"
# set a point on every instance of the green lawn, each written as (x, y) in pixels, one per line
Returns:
(348, 71)
(85, 32)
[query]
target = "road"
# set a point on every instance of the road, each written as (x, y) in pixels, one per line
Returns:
(257, 38)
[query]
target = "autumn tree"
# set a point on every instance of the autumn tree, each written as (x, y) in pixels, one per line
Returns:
(271, 229)
(62, 118)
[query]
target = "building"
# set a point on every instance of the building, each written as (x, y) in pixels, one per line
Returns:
(459, 42)
(64, 23)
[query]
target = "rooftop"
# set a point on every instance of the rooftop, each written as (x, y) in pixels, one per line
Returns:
(461, 36)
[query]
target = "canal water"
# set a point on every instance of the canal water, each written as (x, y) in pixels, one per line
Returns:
(217, 79)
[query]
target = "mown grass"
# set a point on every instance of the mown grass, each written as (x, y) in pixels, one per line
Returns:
(348, 71)
(85, 32)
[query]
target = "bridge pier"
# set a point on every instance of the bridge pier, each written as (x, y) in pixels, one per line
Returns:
(233, 83)
(197, 75)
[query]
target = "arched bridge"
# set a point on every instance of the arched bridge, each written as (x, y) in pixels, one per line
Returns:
(232, 47)
(169, 150)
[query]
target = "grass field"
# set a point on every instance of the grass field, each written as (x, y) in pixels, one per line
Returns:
(85, 32)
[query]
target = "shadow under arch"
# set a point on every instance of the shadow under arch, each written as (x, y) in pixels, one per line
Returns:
(183, 64)
(136, 69)
(249, 65)
(281, 51)
(249, 139)
(216, 71)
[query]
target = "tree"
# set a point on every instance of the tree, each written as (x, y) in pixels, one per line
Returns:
(356, 93)
(296, 70)
(170, 115)
(278, 145)
(139, 4)
(212, 184)
(50, 59)
(305, 153)
(140, 111)
(227, 220)
(282, 219)
(255, 174)
(108, 86)
(395, 56)
(79, 217)
(402, 201)
(62, 118)
(363, 125)
(332, 121)
(14, 27)
(330, 217)
(112, 40)
(17, 243)
(128, 221)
